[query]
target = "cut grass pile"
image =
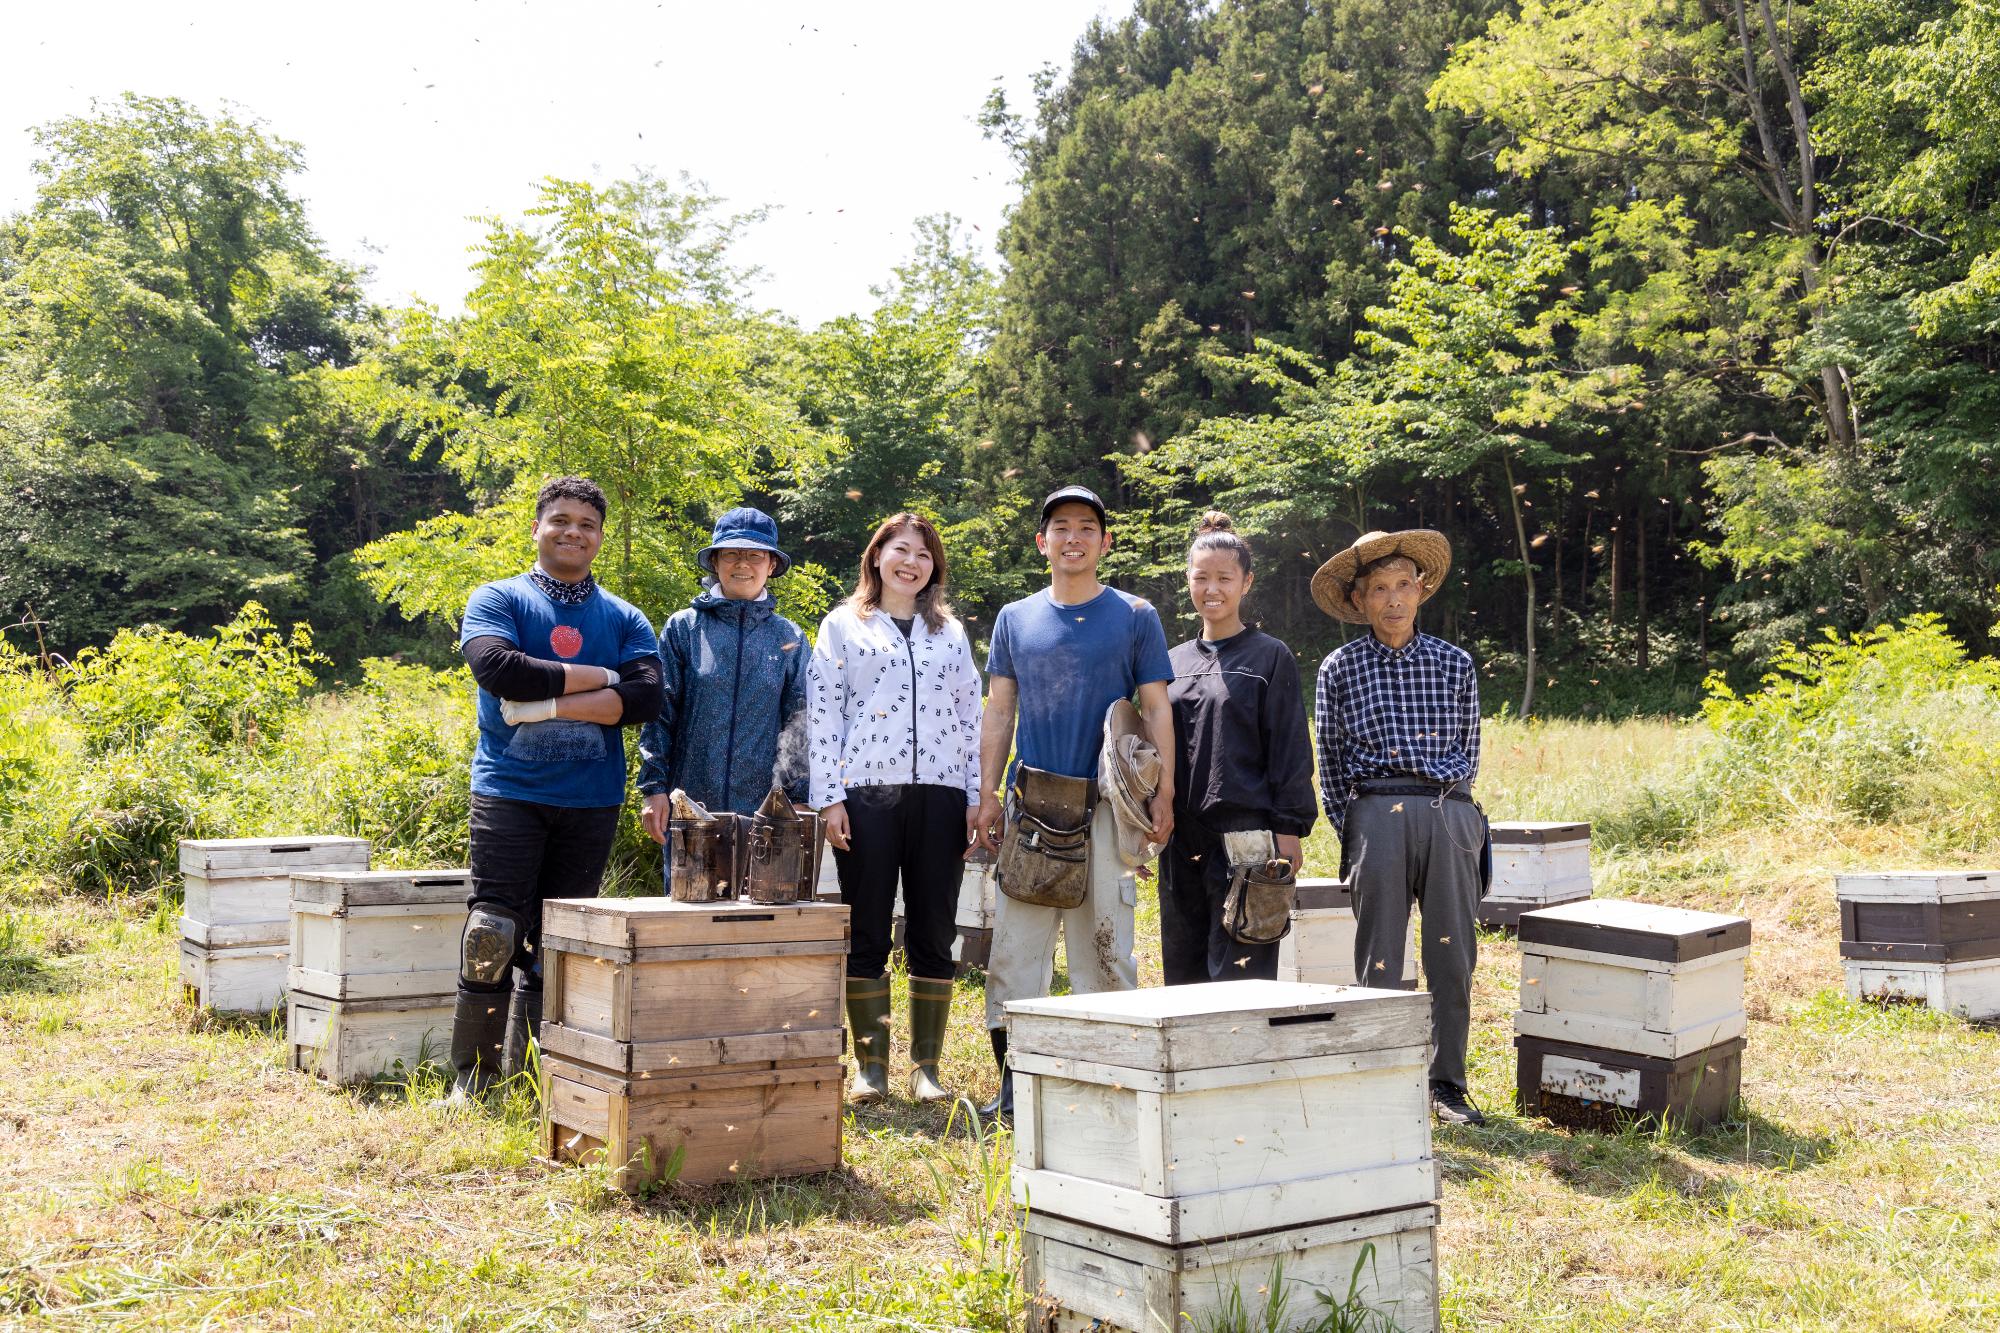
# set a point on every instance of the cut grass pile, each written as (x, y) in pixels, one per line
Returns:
(163, 1169)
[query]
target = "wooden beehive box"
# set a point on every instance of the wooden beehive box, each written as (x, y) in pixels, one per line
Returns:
(1591, 1087)
(1536, 864)
(248, 979)
(376, 934)
(648, 970)
(237, 891)
(977, 890)
(1081, 1279)
(1193, 1113)
(1664, 982)
(1970, 989)
(1319, 948)
(693, 1041)
(353, 1041)
(1920, 916)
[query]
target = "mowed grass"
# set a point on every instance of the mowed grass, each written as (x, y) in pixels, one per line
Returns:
(159, 1168)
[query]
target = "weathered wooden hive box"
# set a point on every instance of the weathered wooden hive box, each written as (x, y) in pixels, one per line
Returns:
(235, 916)
(1930, 936)
(1166, 1140)
(374, 969)
(697, 1042)
(1630, 1009)
(1536, 864)
(1319, 948)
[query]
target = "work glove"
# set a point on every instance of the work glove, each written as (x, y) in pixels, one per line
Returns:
(538, 710)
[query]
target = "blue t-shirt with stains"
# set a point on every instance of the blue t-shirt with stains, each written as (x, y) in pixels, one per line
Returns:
(562, 761)
(1069, 664)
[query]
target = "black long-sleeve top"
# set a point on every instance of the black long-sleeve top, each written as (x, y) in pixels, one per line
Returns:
(1242, 755)
(506, 672)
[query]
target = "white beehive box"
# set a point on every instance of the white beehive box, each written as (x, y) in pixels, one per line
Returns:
(374, 934)
(352, 1041)
(1193, 1113)
(1664, 982)
(1535, 864)
(237, 891)
(1319, 948)
(1081, 1279)
(249, 979)
(1971, 990)
(977, 893)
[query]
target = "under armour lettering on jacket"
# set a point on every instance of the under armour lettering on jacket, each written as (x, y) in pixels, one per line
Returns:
(885, 710)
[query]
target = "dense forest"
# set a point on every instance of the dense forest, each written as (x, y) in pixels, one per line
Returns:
(1681, 317)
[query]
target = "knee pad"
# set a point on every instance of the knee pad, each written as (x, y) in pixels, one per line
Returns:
(486, 949)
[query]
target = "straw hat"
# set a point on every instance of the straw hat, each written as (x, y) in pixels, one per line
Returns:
(1430, 551)
(1128, 776)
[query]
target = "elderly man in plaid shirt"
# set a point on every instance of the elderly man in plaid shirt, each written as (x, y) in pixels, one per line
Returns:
(1397, 717)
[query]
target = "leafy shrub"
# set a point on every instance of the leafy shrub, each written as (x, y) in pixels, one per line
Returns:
(241, 685)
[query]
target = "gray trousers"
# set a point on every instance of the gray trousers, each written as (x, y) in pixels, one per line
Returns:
(1399, 850)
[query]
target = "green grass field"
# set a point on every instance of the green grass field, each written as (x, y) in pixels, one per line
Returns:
(164, 1169)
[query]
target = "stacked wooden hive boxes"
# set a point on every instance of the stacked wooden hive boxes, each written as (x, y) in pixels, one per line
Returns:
(1175, 1148)
(973, 944)
(374, 971)
(236, 917)
(1535, 865)
(1319, 948)
(1930, 936)
(1630, 1011)
(696, 1042)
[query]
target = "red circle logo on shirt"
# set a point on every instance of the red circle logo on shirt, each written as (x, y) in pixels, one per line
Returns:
(567, 640)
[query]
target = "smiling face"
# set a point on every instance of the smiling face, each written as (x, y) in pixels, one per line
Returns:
(1216, 583)
(1073, 539)
(742, 574)
(1388, 596)
(905, 564)
(567, 535)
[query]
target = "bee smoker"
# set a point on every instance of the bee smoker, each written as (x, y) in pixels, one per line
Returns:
(704, 853)
(784, 851)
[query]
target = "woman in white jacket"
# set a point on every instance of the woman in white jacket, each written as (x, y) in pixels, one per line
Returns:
(892, 695)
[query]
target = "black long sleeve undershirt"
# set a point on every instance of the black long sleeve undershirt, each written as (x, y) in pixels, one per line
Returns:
(506, 672)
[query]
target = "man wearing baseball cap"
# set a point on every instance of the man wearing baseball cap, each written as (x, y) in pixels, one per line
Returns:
(1397, 719)
(1059, 660)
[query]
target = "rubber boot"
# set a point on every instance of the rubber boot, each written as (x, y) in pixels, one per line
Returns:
(930, 1015)
(868, 1019)
(478, 1026)
(1002, 1106)
(524, 1022)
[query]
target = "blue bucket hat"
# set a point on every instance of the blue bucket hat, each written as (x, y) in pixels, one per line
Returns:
(744, 530)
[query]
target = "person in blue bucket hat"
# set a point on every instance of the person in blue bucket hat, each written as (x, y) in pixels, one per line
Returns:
(733, 678)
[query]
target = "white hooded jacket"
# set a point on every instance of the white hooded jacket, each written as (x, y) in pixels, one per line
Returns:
(883, 711)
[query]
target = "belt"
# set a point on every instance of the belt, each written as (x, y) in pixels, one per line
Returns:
(1409, 787)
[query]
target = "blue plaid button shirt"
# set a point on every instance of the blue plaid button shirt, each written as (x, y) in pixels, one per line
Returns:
(1383, 712)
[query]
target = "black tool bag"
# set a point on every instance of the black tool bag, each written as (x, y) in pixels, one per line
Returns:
(1045, 851)
(1263, 889)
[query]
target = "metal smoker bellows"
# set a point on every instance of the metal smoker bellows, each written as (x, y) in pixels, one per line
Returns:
(769, 857)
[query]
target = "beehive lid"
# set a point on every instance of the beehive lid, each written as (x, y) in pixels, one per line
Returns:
(1918, 886)
(381, 888)
(1319, 894)
(1635, 930)
(232, 858)
(649, 923)
(1218, 1024)
(1534, 833)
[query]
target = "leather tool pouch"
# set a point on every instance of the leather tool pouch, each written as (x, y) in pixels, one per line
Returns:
(1045, 853)
(1263, 889)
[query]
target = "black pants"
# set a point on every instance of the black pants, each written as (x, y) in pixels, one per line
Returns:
(1194, 883)
(915, 833)
(523, 853)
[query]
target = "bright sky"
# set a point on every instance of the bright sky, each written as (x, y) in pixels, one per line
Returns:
(415, 116)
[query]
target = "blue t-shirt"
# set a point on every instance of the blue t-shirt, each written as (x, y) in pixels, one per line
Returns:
(562, 761)
(1069, 664)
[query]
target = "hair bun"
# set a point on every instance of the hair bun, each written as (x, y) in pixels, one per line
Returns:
(1214, 521)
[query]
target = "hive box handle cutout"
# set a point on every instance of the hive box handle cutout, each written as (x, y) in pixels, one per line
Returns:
(435, 883)
(280, 851)
(756, 916)
(1286, 1020)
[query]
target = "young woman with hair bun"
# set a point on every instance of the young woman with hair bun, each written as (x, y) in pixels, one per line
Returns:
(1242, 749)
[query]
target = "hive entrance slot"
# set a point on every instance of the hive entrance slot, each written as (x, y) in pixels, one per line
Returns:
(302, 847)
(436, 883)
(1286, 1020)
(748, 916)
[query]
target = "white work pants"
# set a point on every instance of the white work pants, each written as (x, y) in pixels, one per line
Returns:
(1097, 933)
